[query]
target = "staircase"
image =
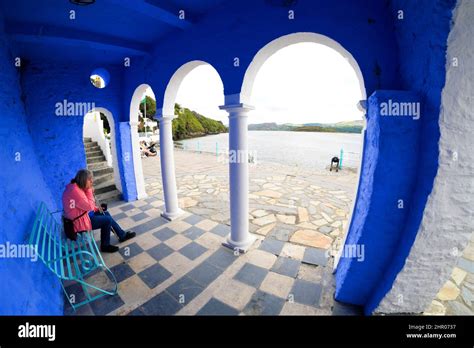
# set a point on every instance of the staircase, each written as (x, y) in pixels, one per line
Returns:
(104, 185)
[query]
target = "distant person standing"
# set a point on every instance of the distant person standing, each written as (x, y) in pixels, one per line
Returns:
(335, 163)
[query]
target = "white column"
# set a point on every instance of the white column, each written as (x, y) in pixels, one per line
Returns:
(240, 238)
(172, 210)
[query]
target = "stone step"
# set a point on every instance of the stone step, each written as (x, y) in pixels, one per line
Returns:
(93, 148)
(97, 166)
(105, 187)
(109, 196)
(102, 171)
(87, 140)
(94, 153)
(91, 144)
(96, 159)
(100, 179)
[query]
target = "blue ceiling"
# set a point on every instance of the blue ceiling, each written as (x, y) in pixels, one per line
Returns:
(106, 31)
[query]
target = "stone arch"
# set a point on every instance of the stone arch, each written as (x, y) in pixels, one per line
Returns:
(137, 164)
(174, 83)
(271, 48)
(113, 143)
(172, 209)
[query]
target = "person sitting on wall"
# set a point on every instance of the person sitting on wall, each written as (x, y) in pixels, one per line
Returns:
(78, 201)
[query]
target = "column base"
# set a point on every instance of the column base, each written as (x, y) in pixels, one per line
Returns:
(142, 196)
(172, 216)
(243, 246)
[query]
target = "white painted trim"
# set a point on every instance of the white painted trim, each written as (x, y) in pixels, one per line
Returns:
(175, 82)
(137, 160)
(94, 129)
(113, 134)
(287, 40)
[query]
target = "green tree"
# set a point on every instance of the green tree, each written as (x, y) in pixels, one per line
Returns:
(150, 107)
(190, 124)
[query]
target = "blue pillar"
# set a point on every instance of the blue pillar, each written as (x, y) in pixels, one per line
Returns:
(125, 156)
(387, 180)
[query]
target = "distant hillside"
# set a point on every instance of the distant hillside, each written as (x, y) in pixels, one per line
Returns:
(270, 127)
(190, 124)
(340, 127)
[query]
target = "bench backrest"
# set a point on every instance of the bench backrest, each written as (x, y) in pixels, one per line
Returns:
(68, 259)
(46, 235)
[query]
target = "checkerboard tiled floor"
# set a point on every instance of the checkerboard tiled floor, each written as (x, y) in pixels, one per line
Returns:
(181, 267)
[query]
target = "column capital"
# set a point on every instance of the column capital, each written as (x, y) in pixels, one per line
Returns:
(166, 118)
(237, 108)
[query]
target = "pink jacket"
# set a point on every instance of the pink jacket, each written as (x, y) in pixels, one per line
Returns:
(75, 202)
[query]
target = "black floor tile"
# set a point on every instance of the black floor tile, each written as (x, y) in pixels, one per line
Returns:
(184, 290)
(161, 304)
(216, 307)
(205, 273)
(251, 275)
(154, 275)
(305, 292)
(263, 303)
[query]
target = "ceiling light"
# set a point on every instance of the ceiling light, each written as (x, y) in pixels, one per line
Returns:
(82, 2)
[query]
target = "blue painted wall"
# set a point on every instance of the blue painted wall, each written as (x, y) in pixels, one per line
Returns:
(423, 71)
(422, 59)
(26, 287)
(241, 28)
(390, 160)
(59, 139)
(392, 55)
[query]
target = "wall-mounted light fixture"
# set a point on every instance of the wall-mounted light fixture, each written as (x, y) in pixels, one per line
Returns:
(82, 2)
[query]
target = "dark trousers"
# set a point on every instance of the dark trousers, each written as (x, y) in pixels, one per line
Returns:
(105, 223)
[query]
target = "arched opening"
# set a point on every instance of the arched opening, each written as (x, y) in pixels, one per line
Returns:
(137, 122)
(199, 139)
(100, 78)
(101, 154)
(316, 223)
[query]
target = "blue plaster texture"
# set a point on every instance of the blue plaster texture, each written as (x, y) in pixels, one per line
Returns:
(422, 69)
(241, 28)
(390, 160)
(26, 287)
(59, 139)
(393, 55)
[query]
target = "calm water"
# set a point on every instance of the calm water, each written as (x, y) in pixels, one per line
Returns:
(306, 149)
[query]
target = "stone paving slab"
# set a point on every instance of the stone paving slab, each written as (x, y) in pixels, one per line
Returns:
(309, 208)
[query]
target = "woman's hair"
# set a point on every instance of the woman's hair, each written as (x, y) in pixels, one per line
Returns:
(81, 178)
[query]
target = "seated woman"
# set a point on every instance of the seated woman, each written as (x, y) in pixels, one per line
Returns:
(78, 202)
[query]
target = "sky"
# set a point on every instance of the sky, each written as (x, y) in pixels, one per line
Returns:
(301, 83)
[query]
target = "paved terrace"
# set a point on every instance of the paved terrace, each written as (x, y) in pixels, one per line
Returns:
(181, 267)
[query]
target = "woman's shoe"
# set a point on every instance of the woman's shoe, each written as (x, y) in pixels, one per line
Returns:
(128, 235)
(109, 249)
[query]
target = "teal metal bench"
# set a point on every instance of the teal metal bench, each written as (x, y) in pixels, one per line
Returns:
(69, 260)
